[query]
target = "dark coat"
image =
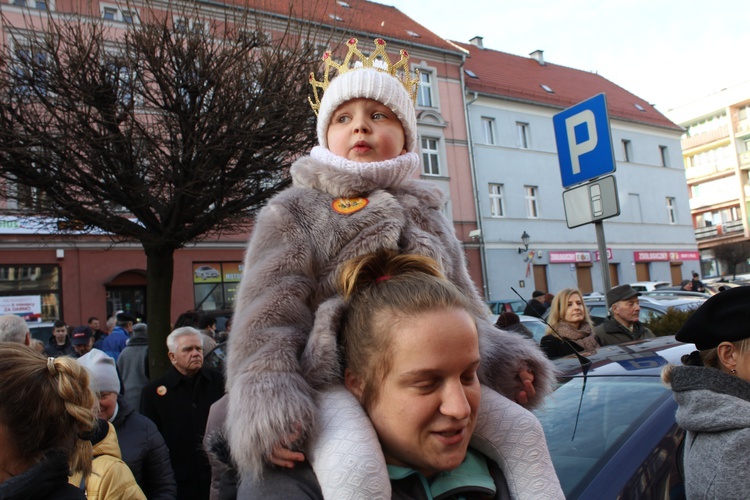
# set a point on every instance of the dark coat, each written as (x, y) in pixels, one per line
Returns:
(534, 308)
(611, 332)
(52, 349)
(555, 348)
(47, 480)
(145, 452)
(179, 407)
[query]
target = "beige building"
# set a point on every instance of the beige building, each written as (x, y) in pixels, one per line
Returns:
(716, 152)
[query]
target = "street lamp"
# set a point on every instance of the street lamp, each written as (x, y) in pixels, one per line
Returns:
(525, 240)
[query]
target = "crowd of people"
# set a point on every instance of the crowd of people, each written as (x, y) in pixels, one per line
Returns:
(362, 363)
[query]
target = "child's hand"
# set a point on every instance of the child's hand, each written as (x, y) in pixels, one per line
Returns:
(527, 391)
(282, 455)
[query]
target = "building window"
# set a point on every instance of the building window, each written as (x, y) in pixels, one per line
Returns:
(215, 284)
(488, 125)
(532, 205)
(671, 210)
(32, 4)
(430, 157)
(114, 13)
(497, 206)
(31, 70)
(524, 140)
(627, 149)
(664, 152)
(424, 96)
(36, 287)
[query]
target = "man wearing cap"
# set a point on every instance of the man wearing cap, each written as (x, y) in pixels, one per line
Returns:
(623, 324)
(535, 307)
(82, 340)
(115, 342)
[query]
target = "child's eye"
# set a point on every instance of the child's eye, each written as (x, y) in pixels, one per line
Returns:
(378, 116)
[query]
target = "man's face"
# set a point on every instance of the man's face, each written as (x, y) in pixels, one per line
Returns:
(94, 324)
(84, 348)
(188, 357)
(627, 311)
(129, 327)
(60, 333)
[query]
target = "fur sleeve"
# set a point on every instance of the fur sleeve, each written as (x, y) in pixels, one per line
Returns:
(269, 399)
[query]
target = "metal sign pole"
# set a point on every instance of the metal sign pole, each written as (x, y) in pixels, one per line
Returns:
(606, 281)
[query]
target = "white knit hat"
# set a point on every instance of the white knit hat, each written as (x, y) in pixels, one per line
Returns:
(103, 371)
(373, 84)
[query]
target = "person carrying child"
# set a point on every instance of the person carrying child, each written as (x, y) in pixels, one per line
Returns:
(353, 195)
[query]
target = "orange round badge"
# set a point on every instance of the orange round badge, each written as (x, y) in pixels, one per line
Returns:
(161, 390)
(349, 205)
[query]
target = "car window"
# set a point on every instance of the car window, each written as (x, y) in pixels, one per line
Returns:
(582, 439)
(537, 329)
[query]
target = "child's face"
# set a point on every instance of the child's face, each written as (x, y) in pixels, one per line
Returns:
(366, 130)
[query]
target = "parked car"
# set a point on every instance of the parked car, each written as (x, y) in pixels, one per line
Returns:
(536, 326)
(673, 293)
(650, 306)
(511, 305)
(647, 286)
(41, 330)
(611, 432)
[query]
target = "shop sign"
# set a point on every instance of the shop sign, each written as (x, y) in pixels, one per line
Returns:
(567, 257)
(651, 256)
(684, 256)
(232, 271)
(27, 306)
(597, 256)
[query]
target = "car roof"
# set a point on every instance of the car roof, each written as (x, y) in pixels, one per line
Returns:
(644, 357)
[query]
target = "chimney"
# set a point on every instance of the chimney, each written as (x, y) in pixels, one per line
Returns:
(477, 41)
(539, 56)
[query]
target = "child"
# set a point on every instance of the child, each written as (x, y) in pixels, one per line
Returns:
(352, 196)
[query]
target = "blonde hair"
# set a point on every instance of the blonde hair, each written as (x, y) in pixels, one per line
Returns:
(382, 289)
(47, 405)
(706, 357)
(559, 307)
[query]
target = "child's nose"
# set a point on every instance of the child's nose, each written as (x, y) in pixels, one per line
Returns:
(360, 125)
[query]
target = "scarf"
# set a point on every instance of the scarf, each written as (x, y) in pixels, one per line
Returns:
(583, 336)
(383, 174)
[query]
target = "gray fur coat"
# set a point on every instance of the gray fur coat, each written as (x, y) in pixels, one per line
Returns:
(283, 340)
(714, 409)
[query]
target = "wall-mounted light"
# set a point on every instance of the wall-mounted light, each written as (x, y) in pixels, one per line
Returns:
(60, 253)
(525, 240)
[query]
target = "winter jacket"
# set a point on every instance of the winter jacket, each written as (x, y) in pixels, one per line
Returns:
(52, 349)
(133, 367)
(283, 341)
(115, 342)
(613, 332)
(110, 478)
(143, 449)
(301, 483)
(714, 409)
(47, 480)
(179, 407)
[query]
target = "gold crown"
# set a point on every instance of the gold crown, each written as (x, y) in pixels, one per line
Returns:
(400, 70)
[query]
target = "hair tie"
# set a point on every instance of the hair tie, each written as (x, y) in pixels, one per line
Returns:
(382, 278)
(51, 366)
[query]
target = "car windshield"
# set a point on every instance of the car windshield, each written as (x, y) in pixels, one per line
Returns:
(581, 439)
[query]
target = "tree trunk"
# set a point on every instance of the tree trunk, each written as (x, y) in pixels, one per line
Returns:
(159, 273)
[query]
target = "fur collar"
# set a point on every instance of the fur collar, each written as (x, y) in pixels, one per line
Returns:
(337, 176)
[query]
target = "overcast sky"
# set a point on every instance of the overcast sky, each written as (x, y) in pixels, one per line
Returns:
(667, 52)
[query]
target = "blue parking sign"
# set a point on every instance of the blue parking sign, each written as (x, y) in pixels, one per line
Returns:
(584, 141)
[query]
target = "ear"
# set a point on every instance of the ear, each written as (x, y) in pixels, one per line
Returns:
(727, 354)
(27, 340)
(353, 384)
(171, 356)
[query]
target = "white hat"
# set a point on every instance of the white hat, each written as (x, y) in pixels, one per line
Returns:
(103, 371)
(373, 84)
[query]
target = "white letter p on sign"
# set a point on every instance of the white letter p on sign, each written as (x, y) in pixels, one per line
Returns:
(577, 150)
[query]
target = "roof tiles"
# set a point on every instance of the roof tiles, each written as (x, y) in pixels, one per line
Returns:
(521, 78)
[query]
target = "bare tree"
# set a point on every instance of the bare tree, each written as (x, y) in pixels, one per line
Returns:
(733, 254)
(165, 132)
